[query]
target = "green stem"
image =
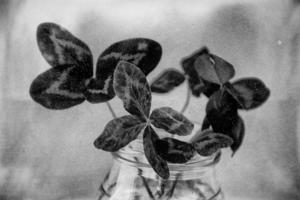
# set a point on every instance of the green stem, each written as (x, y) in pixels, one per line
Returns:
(111, 110)
(187, 100)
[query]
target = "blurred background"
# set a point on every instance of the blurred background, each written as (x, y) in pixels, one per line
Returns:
(49, 155)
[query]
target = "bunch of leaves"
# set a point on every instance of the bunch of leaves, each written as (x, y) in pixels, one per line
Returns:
(121, 70)
(72, 80)
(209, 74)
(131, 86)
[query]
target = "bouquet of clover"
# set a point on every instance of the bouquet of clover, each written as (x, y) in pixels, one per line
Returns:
(121, 70)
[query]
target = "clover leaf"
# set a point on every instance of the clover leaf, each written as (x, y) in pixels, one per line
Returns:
(159, 165)
(214, 69)
(167, 81)
(131, 86)
(205, 143)
(171, 121)
(209, 142)
(222, 116)
(119, 132)
(249, 93)
(174, 151)
(71, 80)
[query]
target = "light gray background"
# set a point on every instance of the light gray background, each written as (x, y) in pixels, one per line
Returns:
(49, 154)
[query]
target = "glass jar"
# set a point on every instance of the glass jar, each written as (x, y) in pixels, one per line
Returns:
(132, 178)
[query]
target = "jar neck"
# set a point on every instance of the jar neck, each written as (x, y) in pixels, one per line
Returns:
(133, 155)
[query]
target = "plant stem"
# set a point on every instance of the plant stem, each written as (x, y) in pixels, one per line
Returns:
(161, 187)
(106, 189)
(140, 172)
(191, 185)
(146, 185)
(208, 186)
(215, 195)
(187, 100)
(111, 110)
(171, 191)
(101, 188)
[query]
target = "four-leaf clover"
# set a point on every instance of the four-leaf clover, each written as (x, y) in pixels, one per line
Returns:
(209, 74)
(72, 80)
(131, 86)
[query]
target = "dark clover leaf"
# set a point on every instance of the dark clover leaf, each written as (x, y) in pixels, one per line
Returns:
(59, 47)
(214, 69)
(196, 83)
(119, 132)
(63, 86)
(235, 129)
(142, 52)
(174, 151)
(249, 92)
(237, 133)
(221, 119)
(222, 115)
(171, 121)
(210, 142)
(132, 88)
(58, 88)
(167, 81)
(221, 106)
(159, 165)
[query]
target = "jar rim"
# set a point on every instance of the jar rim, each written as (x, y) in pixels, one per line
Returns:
(195, 162)
(133, 155)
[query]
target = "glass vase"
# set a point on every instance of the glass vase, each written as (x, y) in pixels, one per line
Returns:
(132, 178)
